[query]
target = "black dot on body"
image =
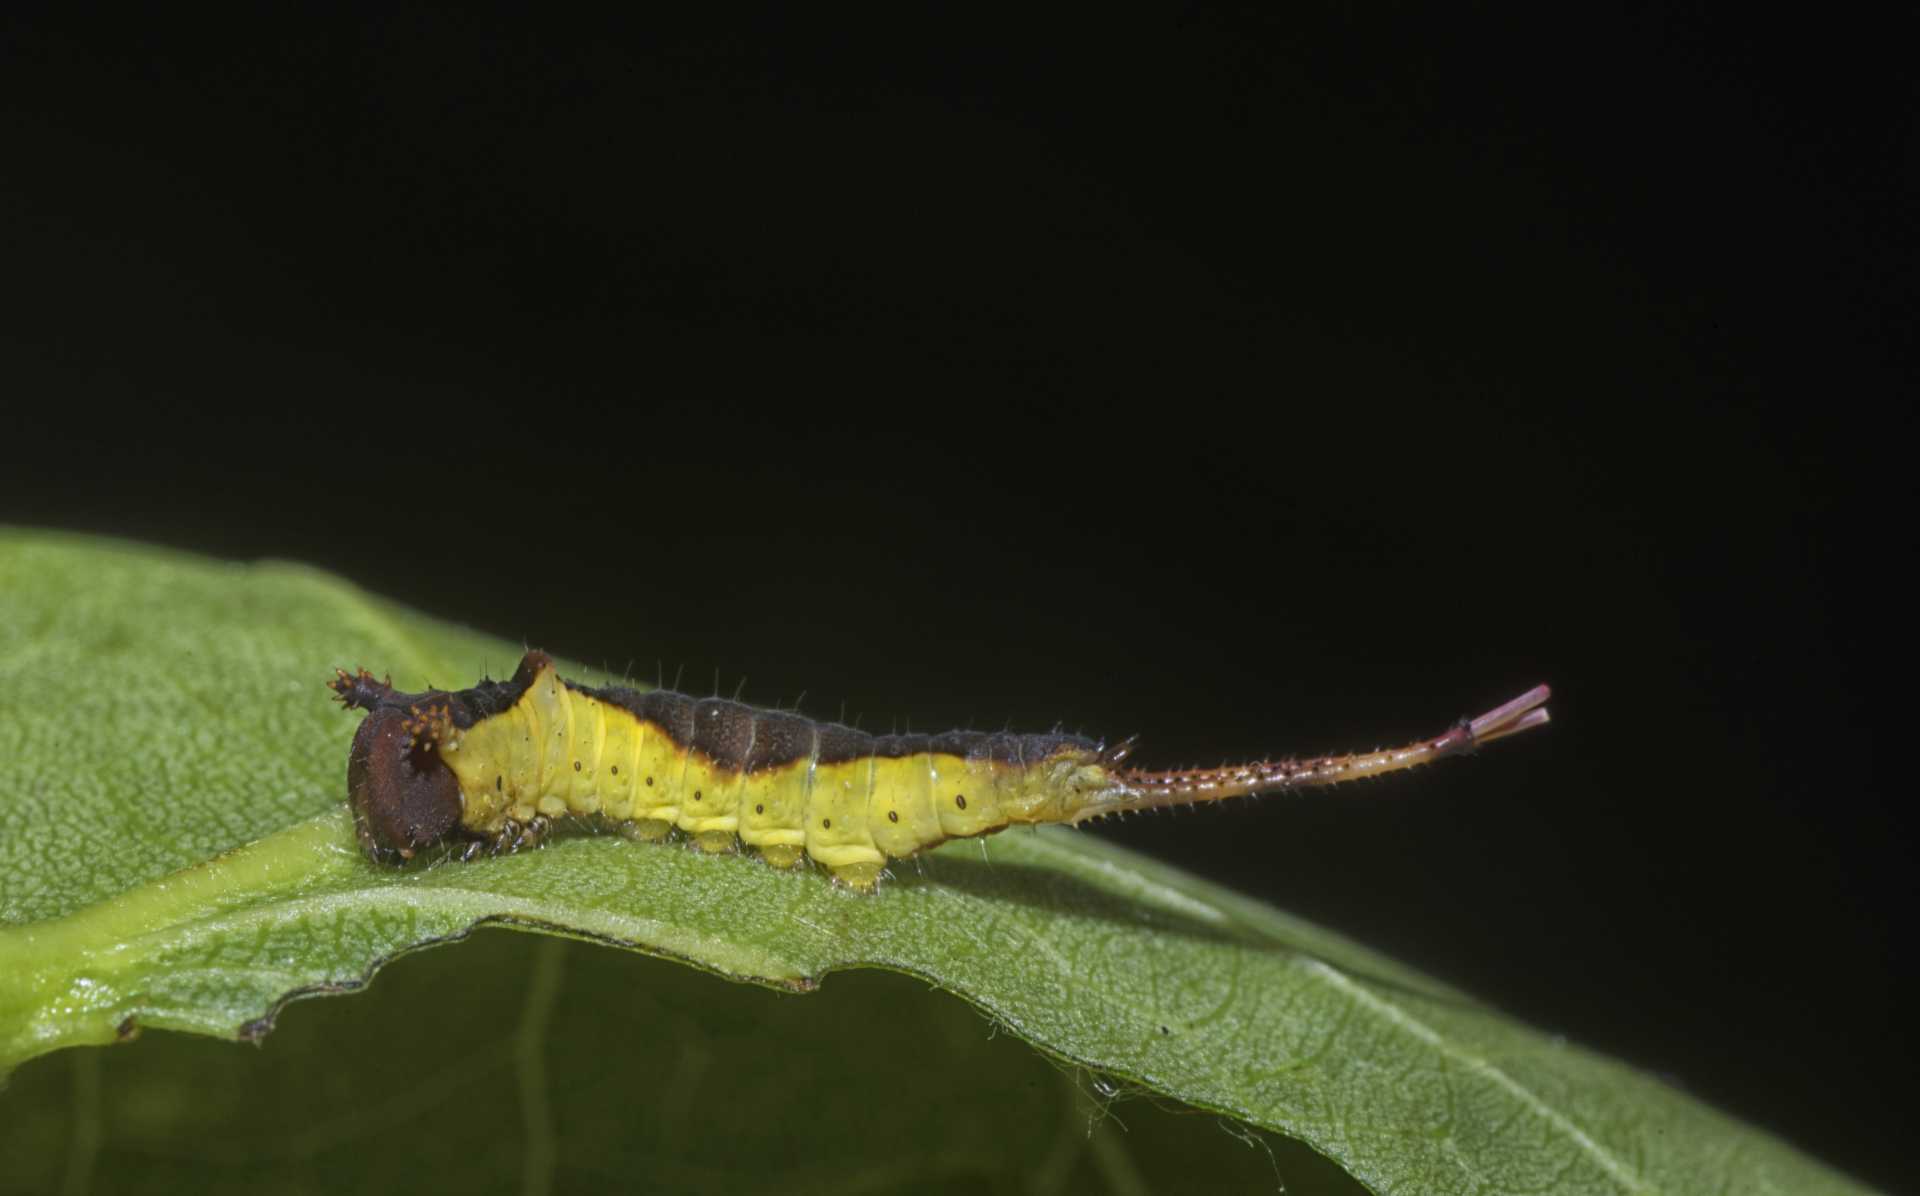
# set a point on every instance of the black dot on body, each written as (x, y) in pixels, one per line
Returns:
(696, 795)
(758, 808)
(498, 782)
(649, 782)
(616, 770)
(576, 766)
(826, 824)
(960, 799)
(893, 815)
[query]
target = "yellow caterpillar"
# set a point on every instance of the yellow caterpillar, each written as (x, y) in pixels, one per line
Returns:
(491, 768)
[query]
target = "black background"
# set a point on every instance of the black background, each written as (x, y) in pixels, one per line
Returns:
(1251, 379)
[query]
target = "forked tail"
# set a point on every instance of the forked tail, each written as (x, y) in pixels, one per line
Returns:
(1137, 790)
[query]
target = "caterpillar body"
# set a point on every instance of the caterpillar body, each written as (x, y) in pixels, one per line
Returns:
(492, 769)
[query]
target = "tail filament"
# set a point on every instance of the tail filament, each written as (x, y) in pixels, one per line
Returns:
(1139, 790)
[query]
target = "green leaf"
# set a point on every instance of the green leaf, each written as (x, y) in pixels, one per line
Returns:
(569, 1066)
(176, 855)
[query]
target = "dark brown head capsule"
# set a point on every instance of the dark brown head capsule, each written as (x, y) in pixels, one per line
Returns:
(403, 797)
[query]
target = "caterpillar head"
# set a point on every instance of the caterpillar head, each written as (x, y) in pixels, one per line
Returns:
(403, 796)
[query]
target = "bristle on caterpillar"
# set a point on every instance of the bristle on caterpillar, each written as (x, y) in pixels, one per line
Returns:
(493, 769)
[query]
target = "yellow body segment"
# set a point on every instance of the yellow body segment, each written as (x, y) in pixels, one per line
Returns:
(558, 752)
(836, 817)
(550, 728)
(709, 798)
(659, 765)
(773, 809)
(900, 811)
(612, 771)
(590, 734)
(964, 808)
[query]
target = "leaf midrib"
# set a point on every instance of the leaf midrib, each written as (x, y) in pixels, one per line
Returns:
(1433, 1040)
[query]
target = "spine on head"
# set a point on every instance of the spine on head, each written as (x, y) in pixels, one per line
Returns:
(1133, 789)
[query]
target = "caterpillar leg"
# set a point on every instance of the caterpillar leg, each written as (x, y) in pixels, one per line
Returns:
(511, 837)
(860, 877)
(781, 855)
(716, 842)
(646, 830)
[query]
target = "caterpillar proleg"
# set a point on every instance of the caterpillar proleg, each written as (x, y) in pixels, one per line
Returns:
(492, 768)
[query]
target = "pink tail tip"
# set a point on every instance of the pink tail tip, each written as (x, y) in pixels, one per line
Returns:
(1523, 713)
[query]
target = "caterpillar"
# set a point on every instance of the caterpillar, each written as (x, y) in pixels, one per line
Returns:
(492, 769)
